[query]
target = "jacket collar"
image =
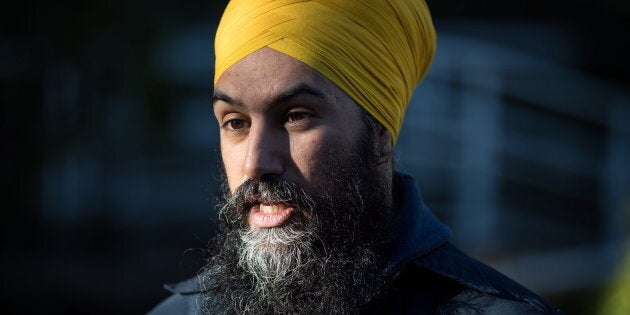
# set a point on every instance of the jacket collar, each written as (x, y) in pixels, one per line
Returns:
(419, 231)
(424, 241)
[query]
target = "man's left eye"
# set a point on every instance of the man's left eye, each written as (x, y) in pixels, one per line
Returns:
(296, 116)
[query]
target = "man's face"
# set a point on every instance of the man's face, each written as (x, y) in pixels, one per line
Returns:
(308, 205)
(279, 117)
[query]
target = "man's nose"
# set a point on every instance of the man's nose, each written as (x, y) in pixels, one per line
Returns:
(266, 152)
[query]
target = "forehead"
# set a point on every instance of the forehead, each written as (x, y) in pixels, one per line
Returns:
(267, 72)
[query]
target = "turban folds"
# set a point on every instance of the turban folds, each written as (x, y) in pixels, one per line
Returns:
(376, 51)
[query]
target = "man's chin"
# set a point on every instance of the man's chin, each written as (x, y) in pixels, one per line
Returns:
(290, 269)
(274, 237)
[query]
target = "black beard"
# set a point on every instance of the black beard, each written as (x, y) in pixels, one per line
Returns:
(327, 259)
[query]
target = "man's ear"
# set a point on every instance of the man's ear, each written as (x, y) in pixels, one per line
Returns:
(384, 144)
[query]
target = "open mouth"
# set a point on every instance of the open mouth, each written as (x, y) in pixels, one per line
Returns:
(269, 215)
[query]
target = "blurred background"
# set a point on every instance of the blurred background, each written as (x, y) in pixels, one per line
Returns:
(519, 138)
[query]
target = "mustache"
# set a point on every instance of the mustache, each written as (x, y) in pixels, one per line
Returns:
(268, 190)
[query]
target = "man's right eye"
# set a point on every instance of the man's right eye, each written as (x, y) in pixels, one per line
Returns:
(235, 124)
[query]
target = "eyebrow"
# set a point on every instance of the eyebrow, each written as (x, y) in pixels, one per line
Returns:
(221, 96)
(300, 89)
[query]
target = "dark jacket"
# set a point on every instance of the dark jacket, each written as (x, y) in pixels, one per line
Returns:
(433, 276)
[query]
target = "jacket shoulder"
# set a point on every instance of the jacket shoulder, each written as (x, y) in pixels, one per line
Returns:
(470, 301)
(186, 299)
(178, 304)
(483, 289)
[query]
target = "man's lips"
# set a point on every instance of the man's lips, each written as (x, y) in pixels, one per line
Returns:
(269, 215)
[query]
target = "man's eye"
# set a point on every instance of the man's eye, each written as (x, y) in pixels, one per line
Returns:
(235, 124)
(296, 116)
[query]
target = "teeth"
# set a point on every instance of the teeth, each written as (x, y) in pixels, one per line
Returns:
(272, 208)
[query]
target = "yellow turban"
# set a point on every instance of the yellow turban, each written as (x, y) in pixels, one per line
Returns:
(376, 51)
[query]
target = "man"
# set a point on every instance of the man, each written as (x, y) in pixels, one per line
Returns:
(310, 97)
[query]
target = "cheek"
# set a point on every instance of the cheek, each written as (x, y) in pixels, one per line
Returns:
(303, 153)
(311, 154)
(232, 159)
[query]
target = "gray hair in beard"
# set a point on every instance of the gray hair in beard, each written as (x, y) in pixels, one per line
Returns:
(274, 256)
(327, 265)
